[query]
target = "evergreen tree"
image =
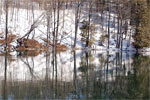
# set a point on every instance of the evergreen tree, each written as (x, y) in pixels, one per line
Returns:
(142, 35)
(84, 33)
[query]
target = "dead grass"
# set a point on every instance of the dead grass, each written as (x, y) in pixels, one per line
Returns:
(61, 47)
(10, 39)
(28, 44)
(58, 46)
(30, 53)
(74, 49)
(31, 44)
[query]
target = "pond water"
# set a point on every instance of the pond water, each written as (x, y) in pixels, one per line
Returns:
(74, 75)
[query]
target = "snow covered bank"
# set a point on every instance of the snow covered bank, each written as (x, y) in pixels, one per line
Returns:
(20, 21)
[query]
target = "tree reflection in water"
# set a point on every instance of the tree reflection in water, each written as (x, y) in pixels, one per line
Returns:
(77, 75)
(5, 79)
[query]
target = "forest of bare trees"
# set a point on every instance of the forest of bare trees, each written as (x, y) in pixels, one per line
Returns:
(119, 22)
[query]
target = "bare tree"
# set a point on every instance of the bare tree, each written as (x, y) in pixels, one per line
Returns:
(6, 23)
(109, 7)
(57, 28)
(89, 22)
(77, 18)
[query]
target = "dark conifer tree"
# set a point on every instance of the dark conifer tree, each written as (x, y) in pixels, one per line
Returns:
(142, 35)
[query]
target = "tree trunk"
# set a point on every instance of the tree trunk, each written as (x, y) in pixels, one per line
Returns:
(6, 24)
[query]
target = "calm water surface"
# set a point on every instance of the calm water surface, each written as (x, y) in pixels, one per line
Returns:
(74, 75)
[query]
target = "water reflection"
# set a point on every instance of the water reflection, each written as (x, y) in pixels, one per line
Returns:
(75, 75)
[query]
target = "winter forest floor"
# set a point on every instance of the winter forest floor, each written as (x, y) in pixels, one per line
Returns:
(20, 22)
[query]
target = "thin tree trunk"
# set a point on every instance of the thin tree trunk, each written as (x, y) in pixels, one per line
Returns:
(75, 74)
(5, 79)
(76, 23)
(109, 24)
(6, 24)
(89, 23)
(54, 30)
(57, 28)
